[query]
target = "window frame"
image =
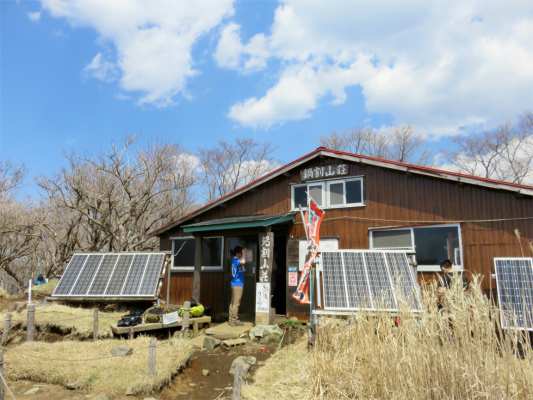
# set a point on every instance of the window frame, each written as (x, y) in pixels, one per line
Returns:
(209, 268)
(307, 184)
(343, 181)
(421, 267)
(325, 183)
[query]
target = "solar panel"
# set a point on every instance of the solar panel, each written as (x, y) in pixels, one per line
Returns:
(151, 275)
(86, 275)
(514, 281)
(135, 275)
(368, 280)
(111, 275)
(102, 276)
(70, 275)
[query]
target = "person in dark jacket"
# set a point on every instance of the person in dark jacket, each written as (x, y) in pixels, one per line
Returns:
(448, 274)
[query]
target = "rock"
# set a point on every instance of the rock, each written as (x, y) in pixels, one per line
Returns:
(270, 338)
(197, 342)
(205, 372)
(74, 385)
(121, 351)
(192, 384)
(101, 397)
(129, 391)
(32, 391)
(264, 330)
(211, 343)
(294, 319)
(246, 363)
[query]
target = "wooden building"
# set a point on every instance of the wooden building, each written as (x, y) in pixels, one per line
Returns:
(369, 203)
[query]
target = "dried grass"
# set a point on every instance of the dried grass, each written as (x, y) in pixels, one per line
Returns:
(461, 353)
(78, 322)
(4, 294)
(43, 289)
(109, 376)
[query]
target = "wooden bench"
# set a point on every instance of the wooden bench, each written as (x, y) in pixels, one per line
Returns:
(195, 322)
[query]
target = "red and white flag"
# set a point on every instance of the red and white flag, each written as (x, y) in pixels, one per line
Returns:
(312, 219)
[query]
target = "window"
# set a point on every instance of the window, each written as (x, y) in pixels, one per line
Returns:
(345, 193)
(431, 244)
(183, 249)
(315, 190)
(330, 194)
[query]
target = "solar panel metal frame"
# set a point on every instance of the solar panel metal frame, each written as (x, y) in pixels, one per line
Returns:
(503, 321)
(104, 295)
(389, 279)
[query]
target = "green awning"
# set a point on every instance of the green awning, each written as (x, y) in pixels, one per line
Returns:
(248, 221)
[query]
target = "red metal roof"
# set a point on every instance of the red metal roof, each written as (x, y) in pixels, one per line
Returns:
(410, 166)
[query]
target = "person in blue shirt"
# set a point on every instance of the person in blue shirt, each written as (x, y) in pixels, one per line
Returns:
(237, 284)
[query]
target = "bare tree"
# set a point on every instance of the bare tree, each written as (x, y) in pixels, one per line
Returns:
(112, 201)
(227, 167)
(399, 143)
(18, 223)
(504, 153)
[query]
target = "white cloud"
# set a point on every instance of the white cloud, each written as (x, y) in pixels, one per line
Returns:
(440, 65)
(34, 16)
(153, 39)
(230, 50)
(101, 69)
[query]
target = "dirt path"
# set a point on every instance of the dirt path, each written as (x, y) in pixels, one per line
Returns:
(188, 384)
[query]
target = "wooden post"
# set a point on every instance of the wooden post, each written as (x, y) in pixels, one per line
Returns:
(30, 328)
(185, 322)
(237, 382)
(197, 269)
(195, 328)
(151, 356)
(131, 335)
(95, 324)
(7, 324)
(2, 373)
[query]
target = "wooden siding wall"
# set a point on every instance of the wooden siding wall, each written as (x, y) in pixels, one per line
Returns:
(395, 199)
(181, 289)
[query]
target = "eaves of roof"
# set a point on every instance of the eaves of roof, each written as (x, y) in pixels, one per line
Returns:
(322, 151)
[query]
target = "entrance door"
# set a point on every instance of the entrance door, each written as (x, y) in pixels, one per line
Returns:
(247, 308)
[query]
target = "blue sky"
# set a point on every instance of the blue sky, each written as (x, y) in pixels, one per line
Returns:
(76, 74)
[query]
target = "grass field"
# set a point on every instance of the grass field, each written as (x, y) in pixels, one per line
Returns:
(41, 362)
(77, 322)
(460, 353)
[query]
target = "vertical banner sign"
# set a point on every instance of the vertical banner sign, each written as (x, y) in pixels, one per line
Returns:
(262, 296)
(313, 218)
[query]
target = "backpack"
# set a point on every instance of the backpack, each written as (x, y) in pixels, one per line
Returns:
(154, 315)
(130, 319)
(197, 311)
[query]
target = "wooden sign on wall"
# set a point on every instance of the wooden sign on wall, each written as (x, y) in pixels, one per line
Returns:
(325, 171)
(262, 298)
